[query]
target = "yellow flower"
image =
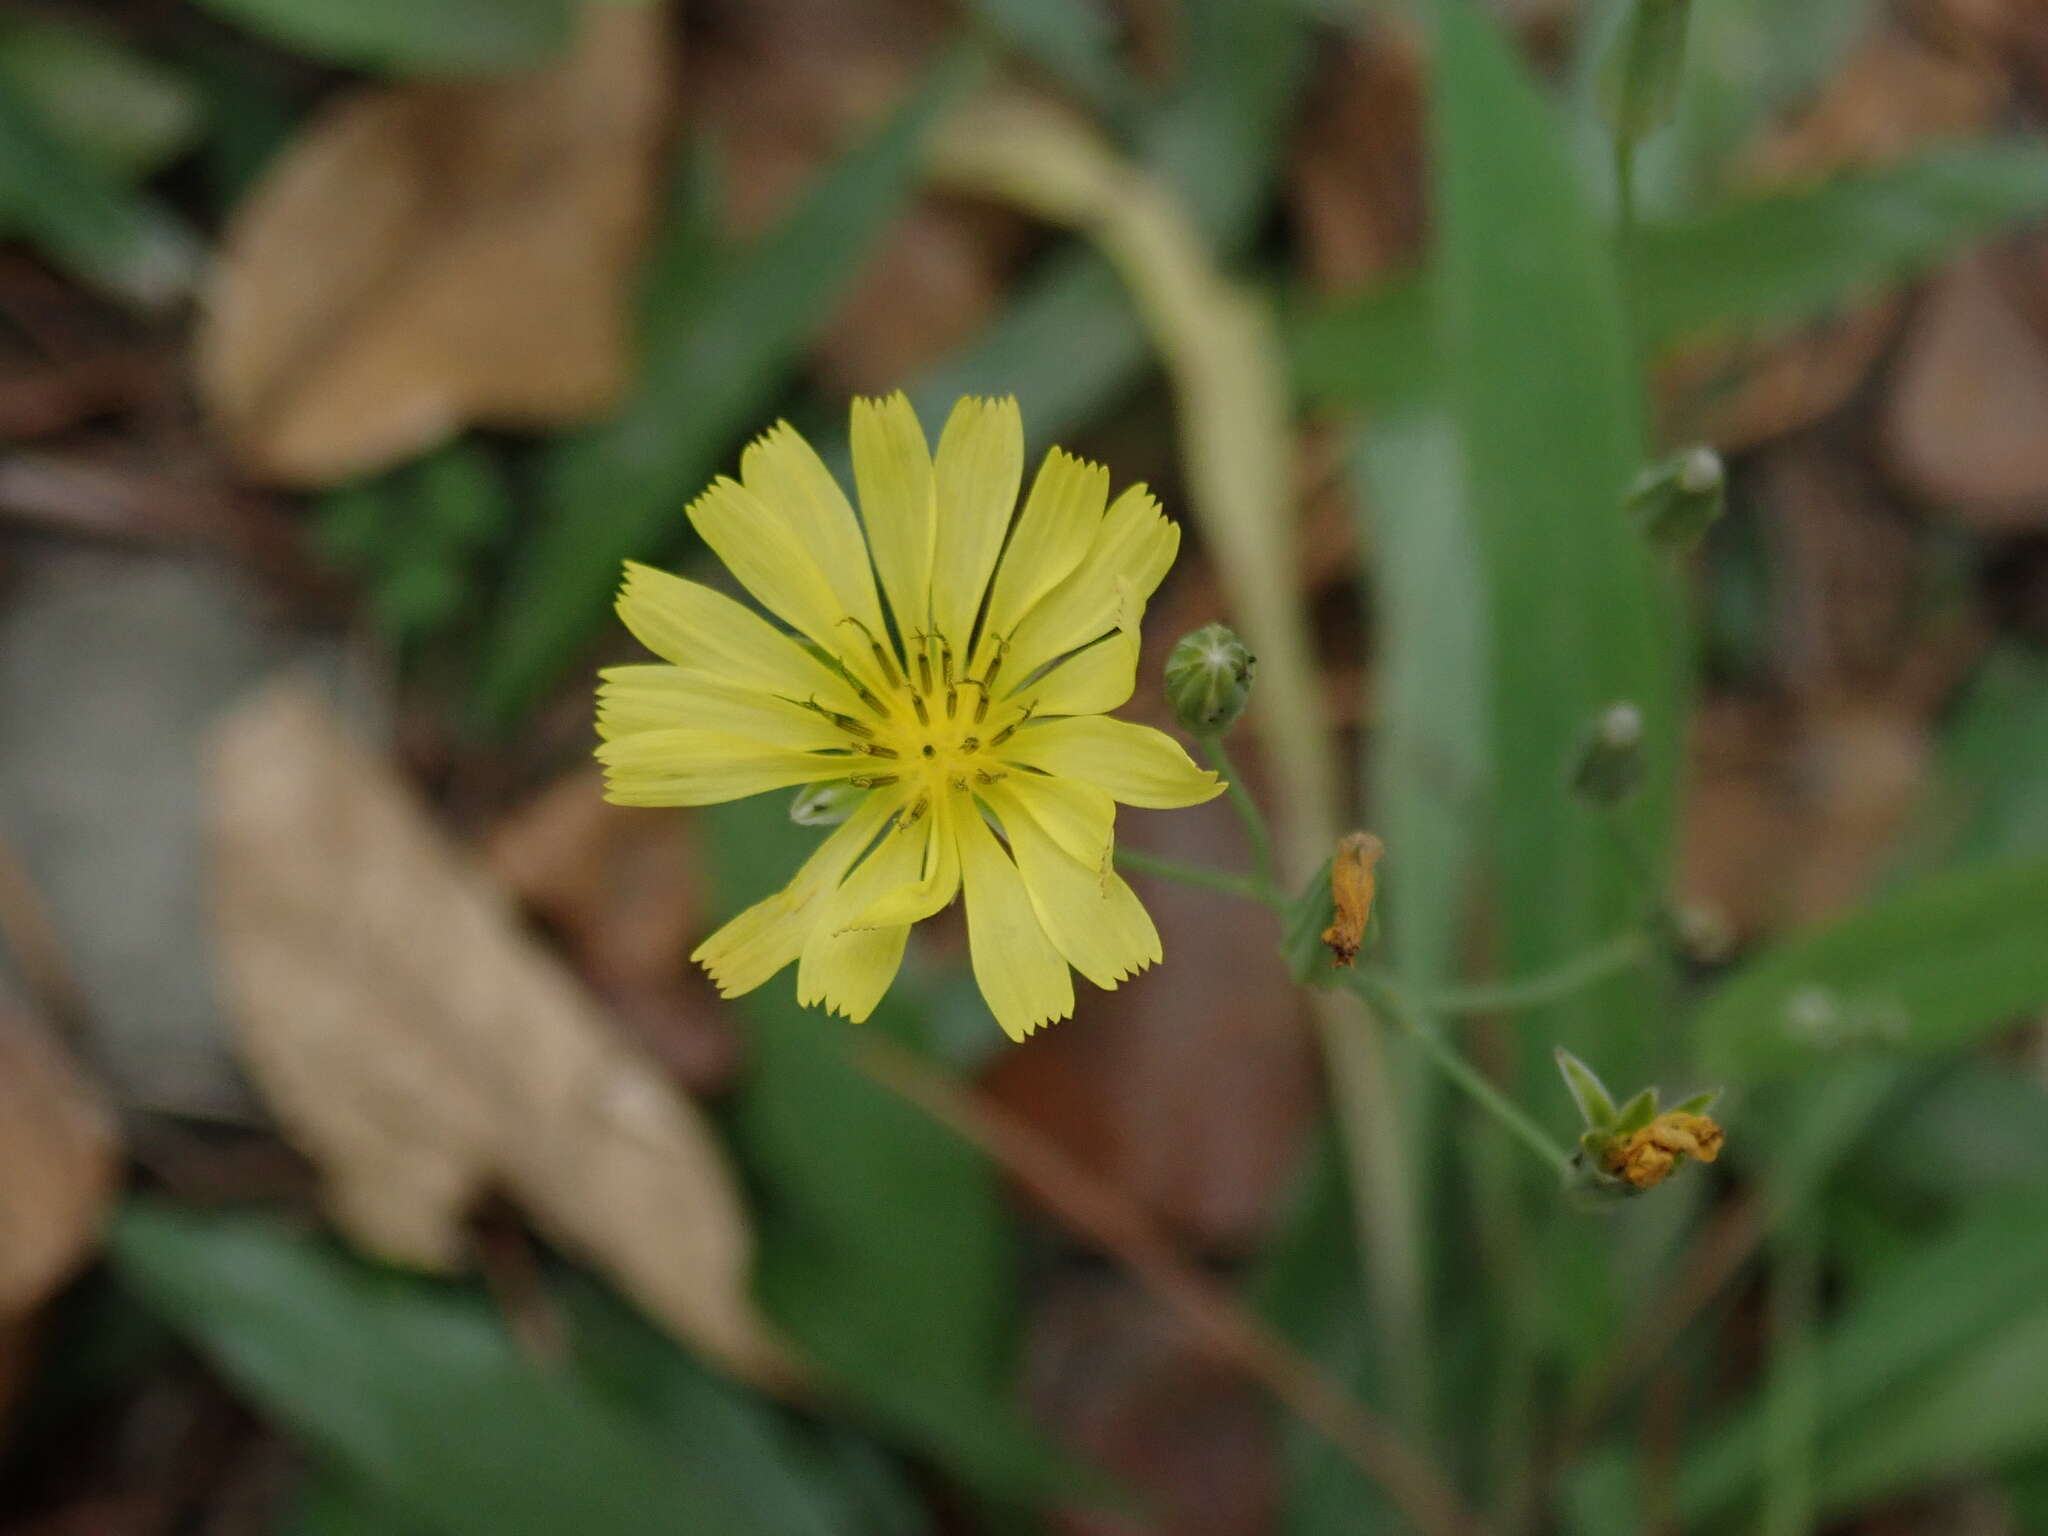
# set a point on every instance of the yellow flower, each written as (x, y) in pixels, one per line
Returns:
(960, 707)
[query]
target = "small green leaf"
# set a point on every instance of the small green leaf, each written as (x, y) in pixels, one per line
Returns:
(1596, 1104)
(1929, 970)
(99, 230)
(1698, 1104)
(439, 37)
(1638, 1112)
(126, 114)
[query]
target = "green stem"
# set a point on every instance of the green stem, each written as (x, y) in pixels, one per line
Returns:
(1576, 974)
(1247, 810)
(1475, 1085)
(1245, 887)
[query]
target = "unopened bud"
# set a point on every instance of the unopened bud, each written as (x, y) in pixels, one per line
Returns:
(1643, 69)
(1674, 503)
(1209, 680)
(1611, 762)
(824, 805)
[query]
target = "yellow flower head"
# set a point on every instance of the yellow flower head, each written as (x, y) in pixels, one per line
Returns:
(959, 705)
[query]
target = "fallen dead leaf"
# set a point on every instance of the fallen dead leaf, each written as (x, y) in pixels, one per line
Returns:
(1738, 394)
(627, 903)
(60, 1155)
(428, 255)
(1356, 174)
(1966, 422)
(420, 1048)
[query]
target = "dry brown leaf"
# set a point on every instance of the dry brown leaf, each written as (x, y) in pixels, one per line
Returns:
(1739, 394)
(420, 1047)
(59, 1152)
(1966, 423)
(428, 255)
(626, 901)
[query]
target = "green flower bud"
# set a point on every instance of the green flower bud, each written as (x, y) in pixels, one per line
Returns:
(824, 805)
(1611, 765)
(1677, 501)
(1643, 69)
(1209, 680)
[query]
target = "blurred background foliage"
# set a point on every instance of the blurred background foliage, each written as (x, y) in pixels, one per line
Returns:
(371, 1159)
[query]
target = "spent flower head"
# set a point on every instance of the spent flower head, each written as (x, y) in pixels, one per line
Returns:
(1627, 1148)
(942, 692)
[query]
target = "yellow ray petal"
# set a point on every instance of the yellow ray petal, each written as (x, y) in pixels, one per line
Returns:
(1078, 817)
(706, 631)
(1053, 534)
(768, 555)
(933, 890)
(893, 469)
(657, 697)
(1019, 970)
(1136, 764)
(787, 474)
(1130, 555)
(1093, 918)
(848, 969)
(975, 476)
(692, 767)
(1093, 682)
(771, 933)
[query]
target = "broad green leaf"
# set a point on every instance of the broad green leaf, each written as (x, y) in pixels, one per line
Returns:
(1989, 798)
(102, 232)
(1787, 256)
(1926, 971)
(1929, 1330)
(1545, 402)
(1774, 260)
(800, 1477)
(717, 345)
(125, 114)
(413, 1388)
(331, 1503)
(1428, 772)
(885, 1249)
(438, 37)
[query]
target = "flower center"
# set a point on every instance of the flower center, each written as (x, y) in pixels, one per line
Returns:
(935, 728)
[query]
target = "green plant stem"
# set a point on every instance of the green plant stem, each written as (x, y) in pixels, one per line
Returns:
(1385, 997)
(1576, 974)
(1247, 810)
(1245, 887)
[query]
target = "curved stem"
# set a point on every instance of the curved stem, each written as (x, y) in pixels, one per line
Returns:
(1247, 810)
(1576, 974)
(1245, 887)
(1384, 997)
